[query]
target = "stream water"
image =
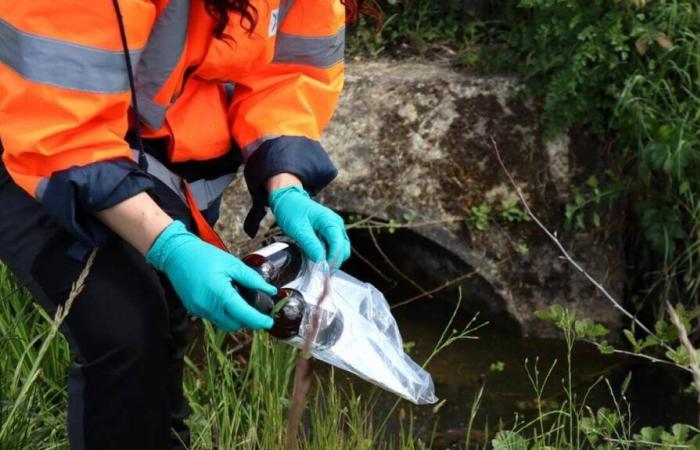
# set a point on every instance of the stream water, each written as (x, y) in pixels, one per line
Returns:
(496, 360)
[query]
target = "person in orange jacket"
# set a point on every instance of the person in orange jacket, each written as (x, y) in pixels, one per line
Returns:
(121, 124)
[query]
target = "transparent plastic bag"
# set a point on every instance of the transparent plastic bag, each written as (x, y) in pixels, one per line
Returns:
(358, 334)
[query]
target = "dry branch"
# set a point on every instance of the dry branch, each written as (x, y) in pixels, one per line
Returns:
(565, 253)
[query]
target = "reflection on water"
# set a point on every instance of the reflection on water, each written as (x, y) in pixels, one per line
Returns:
(496, 361)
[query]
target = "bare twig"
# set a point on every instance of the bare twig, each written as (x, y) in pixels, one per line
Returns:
(643, 356)
(446, 284)
(563, 251)
(367, 223)
(693, 361)
(396, 269)
(369, 263)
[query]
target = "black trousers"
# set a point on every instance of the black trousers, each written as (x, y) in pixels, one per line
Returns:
(127, 330)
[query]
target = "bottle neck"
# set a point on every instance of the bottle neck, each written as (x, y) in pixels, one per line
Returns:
(279, 263)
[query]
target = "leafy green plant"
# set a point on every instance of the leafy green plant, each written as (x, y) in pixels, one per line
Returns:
(511, 211)
(522, 249)
(588, 204)
(497, 366)
(509, 440)
(629, 71)
(679, 436)
(417, 27)
(478, 217)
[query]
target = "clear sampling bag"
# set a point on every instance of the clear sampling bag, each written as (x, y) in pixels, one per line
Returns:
(357, 333)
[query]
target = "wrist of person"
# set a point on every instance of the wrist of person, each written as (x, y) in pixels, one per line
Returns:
(282, 180)
(170, 237)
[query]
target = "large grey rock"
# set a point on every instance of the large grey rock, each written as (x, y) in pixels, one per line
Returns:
(415, 138)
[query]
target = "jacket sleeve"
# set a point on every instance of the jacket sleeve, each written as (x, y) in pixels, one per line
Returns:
(278, 113)
(64, 99)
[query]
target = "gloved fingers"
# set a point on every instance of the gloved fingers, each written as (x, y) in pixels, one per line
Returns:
(247, 277)
(225, 323)
(333, 233)
(309, 242)
(348, 247)
(241, 311)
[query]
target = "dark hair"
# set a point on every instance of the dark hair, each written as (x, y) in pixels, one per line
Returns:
(219, 10)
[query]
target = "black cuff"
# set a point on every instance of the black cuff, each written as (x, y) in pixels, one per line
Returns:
(300, 156)
(73, 195)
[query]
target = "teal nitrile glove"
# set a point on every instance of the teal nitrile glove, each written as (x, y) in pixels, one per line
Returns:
(202, 274)
(307, 222)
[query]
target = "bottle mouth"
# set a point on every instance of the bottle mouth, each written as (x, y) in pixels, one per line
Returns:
(329, 329)
(287, 311)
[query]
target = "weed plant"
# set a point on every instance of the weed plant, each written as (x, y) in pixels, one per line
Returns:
(446, 29)
(234, 404)
(630, 71)
(244, 406)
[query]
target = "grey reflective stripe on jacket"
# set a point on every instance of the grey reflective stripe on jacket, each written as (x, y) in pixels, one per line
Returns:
(285, 6)
(205, 192)
(316, 51)
(321, 52)
(165, 46)
(63, 64)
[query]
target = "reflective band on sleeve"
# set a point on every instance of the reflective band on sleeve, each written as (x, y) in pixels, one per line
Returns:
(160, 56)
(322, 52)
(63, 64)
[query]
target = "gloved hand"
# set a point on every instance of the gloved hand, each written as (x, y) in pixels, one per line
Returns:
(307, 222)
(202, 274)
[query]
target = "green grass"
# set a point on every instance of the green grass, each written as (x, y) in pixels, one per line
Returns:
(233, 405)
(446, 30)
(237, 406)
(32, 373)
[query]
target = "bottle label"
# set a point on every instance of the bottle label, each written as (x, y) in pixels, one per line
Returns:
(271, 249)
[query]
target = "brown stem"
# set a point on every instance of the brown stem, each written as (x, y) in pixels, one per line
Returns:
(563, 251)
(302, 372)
(693, 361)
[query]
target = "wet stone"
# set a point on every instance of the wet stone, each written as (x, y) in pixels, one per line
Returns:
(416, 138)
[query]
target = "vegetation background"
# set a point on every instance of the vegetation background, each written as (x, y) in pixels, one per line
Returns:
(627, 70)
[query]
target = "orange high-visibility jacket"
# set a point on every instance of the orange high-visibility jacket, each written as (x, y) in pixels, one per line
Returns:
(65, 98)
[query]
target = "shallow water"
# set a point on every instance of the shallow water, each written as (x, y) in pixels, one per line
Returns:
(655, 395)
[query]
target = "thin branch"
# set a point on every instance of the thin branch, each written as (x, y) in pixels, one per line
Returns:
(643, 356)
(367, 223)
(369, 263)
(396, 269)
(563, 251)
(693, 361)
(447, 284)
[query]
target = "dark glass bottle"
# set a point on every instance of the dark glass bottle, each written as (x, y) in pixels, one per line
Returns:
(287, 312)
(281, 263)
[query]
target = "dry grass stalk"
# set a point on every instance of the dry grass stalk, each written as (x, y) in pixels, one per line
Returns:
(35, 372)
(565, 253)
(302, 372)
(693, 361)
